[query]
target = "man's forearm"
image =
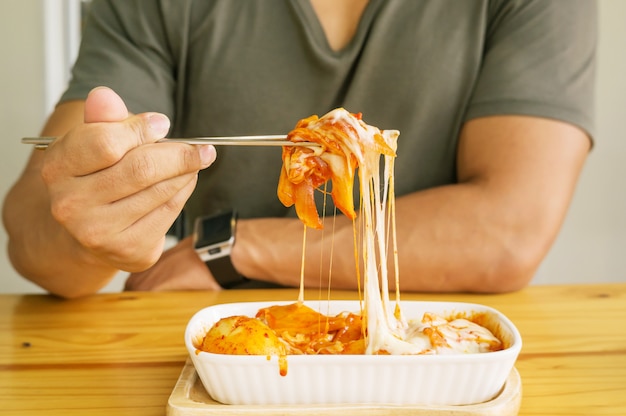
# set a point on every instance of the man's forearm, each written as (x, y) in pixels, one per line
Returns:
(449, 239)
(488, 233)
(41, 250)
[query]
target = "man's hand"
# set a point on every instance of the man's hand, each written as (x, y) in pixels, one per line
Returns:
(179, 268)
(101, 197)
(113, 189)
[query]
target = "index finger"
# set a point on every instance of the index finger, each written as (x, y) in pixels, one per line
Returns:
(91, 147)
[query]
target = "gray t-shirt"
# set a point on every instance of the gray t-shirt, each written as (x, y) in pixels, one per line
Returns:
(423, 67)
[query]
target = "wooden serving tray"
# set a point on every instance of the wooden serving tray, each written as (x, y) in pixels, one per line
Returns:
(189, 398)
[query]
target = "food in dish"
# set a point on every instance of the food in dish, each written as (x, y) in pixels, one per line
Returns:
(295, 329)
(370, 351)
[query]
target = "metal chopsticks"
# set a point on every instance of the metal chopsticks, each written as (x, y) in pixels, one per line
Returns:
(268, 140)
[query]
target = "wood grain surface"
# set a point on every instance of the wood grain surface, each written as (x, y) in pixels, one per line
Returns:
(123, 353)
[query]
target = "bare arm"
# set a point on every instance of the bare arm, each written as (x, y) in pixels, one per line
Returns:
(35, 238)
(99, 199)
(488, 233)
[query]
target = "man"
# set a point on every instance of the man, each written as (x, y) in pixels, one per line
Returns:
(493, 100)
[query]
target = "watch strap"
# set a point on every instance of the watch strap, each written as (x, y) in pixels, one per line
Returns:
(225, 273)
(213, 245)
(228, 277)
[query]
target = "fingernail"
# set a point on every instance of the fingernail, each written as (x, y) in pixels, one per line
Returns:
(207, 155)
(159, 124)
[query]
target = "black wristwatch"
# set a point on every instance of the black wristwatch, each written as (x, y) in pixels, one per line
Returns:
(214, 238)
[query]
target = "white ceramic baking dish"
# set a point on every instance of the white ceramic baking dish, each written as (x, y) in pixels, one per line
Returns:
(372, 379)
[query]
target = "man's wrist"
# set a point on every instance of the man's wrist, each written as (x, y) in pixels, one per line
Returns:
(214, 238)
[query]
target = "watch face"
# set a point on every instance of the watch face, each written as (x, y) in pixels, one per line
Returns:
(214, 230)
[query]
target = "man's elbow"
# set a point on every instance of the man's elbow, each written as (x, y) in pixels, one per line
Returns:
(514, 267)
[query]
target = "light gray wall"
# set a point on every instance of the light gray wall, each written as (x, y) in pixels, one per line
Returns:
(21, 104)
(591, 246)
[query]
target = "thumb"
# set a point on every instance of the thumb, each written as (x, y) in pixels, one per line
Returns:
(103, 105)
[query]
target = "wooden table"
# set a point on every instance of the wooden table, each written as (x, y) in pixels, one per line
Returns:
(118, 354)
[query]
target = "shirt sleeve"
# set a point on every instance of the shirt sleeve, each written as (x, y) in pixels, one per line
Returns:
(539, 60)
(125, 47)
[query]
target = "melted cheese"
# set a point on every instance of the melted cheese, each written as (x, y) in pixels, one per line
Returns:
(347, 143)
